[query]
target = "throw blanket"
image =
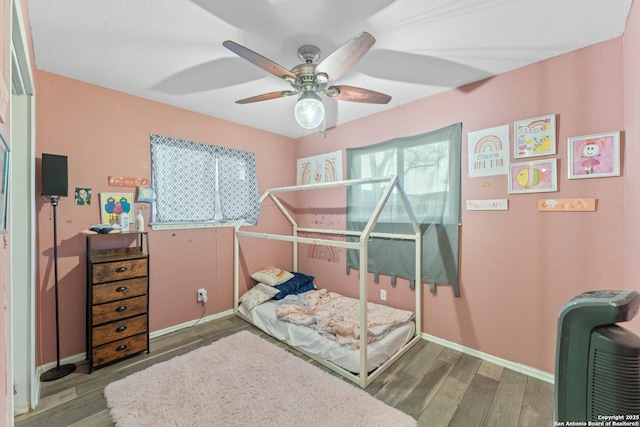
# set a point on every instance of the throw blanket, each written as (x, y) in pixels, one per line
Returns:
(338, 317)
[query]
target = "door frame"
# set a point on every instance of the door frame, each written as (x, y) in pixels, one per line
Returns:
(22, 374)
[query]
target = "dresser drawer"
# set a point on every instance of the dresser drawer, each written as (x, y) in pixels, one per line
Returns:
(119, 330)
(119, 349)
(119, 270)
(112, 291)
(119, 310)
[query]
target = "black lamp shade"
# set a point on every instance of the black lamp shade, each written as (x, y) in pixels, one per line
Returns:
(54, 175)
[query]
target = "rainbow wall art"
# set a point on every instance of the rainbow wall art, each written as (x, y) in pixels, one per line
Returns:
(321, 168)
(535, 137)
(324, 253)
(489, 151)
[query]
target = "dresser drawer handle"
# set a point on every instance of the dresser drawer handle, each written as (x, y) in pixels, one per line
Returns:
(121, 328)
(121, 308)
(121, 289)
(121, 347)
(121, 269)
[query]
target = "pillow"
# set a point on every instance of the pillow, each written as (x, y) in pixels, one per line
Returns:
(257, 295)
(145, 194)
(272, 276)
(298, 284)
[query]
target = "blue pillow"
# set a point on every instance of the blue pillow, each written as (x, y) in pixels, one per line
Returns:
(298, 284)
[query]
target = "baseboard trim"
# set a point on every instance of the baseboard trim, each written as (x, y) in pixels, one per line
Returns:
(175, 328)
(77, 358)
(518, 367)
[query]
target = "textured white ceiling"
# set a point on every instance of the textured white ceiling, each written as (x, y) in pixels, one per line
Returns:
(171, 50)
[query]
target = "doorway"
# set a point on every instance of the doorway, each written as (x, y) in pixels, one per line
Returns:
(22, 220)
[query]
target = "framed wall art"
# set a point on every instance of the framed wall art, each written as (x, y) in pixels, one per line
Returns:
(83, 196)
(533, 177)
(488, 151)
(534, 137)
(4, 183)
(320, 168)
(594, 156)
(114, 204)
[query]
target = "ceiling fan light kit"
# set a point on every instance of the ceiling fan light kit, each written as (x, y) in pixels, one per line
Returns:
(310, 80)
(309, 110)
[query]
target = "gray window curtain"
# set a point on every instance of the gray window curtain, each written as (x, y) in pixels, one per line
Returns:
(239, 194)
(199, 183)
(428, 166)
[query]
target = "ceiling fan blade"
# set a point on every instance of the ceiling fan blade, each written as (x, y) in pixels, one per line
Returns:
(345, 57)
(266, 96)
(259, 60)
(357, 94)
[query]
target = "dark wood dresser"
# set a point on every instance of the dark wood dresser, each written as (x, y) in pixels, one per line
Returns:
(117, 297)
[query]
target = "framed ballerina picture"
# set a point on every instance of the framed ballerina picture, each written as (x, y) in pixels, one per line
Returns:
(594, 156)
(533, 177)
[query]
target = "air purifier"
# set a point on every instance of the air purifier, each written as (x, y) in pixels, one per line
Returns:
(597, 374)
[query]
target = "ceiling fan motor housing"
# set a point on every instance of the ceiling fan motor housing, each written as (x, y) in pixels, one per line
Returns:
(305, 76)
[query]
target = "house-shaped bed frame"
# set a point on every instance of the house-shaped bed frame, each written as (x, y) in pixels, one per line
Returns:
(364, 378)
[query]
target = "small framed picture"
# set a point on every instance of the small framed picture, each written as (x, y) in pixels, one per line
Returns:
(533, 177)
(114, 204)
(594, 156)
(83, 196)
(534, 137)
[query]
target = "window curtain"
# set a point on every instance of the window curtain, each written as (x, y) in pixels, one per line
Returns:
(428, 166)
(239, 194)
(197, 183)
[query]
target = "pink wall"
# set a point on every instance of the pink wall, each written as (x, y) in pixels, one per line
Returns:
(105, 133)
(518, 267)
(631, 59)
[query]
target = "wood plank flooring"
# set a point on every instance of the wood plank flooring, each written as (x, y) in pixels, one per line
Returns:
(435, 385)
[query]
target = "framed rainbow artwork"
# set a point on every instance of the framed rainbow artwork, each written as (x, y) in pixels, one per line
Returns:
(534, 137)
(489, 151)
(320, 168)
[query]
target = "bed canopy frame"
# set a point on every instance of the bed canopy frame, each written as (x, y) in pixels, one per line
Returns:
(363, 378)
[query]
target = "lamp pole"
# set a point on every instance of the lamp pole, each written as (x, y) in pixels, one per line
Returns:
(60, 370)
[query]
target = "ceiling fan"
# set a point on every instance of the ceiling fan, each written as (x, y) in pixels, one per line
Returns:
(310, 79)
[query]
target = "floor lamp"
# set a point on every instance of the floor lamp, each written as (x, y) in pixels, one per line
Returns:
(55, 184)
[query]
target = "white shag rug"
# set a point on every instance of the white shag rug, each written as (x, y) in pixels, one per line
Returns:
(243, 380)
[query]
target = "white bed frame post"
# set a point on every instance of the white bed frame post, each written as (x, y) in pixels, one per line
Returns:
(236, 269)
(363, 378)
(363, 311)
(418, 258)
(364, 272)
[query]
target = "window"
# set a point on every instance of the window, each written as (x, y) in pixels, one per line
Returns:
(201, 184)
(428, 166)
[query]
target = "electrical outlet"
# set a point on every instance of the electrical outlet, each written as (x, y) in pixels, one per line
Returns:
(383, 294)
(202, 295)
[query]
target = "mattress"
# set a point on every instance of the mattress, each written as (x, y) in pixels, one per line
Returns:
(264, 317)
